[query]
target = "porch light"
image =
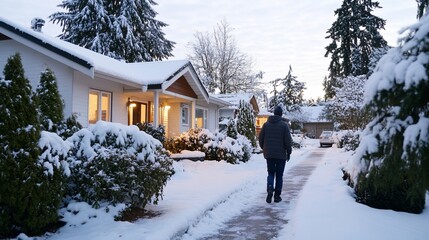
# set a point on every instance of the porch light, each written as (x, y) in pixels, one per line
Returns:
(167, 107)
(131, 104)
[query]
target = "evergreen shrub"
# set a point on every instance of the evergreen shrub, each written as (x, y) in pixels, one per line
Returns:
(156, 132)
(31, 176)
(216, 146)
(118, 164)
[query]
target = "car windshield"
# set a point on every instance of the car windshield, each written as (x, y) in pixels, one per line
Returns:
(327, 133)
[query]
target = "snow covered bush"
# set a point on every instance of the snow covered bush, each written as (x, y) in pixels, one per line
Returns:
(50, 103)
(216, 146)
(391, 165)
(348, 139)
(118, 164)
(156, 132)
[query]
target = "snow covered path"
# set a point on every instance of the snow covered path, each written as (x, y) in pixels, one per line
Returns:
(262, 220)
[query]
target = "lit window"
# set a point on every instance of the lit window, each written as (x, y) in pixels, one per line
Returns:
(99, 106)
(200, 118)
(185, 115)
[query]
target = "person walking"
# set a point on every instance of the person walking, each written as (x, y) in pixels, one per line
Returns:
(276, 143)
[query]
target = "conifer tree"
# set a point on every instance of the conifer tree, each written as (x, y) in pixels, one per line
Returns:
(29, 200)
(393, 160)
(49, 101)
(289, 93)
(354, 35)
(246, 121)
(124, 29)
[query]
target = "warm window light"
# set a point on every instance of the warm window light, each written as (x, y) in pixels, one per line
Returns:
(132, 105)
(167, 107)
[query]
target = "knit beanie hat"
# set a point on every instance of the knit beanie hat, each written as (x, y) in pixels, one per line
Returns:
(278, 111)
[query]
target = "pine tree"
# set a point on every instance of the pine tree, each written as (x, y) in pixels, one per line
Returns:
(346, 109)
(354, 35)
(246, 121)
(421, 7)
(290, 95)
(29, 199)
(49, 101)
(393, 162)
(124, 29)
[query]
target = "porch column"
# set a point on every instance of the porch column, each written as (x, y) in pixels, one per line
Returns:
(193, 114)
(155, 108)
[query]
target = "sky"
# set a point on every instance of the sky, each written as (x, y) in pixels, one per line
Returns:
(274, 34)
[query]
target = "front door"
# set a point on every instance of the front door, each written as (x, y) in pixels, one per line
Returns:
(138, 113)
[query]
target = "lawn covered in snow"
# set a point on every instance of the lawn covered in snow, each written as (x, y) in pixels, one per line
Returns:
(210, 192)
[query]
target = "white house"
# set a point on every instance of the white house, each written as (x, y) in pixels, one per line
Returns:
(234, 100)
(96, 87)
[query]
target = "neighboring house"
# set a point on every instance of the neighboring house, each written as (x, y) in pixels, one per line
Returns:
(234, 100)
(261, 118)
(315, 124)
(96, 87)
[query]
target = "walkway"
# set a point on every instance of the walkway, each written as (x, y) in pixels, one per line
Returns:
(263, 220)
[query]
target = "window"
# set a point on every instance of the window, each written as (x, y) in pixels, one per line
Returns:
(99, 106)
(185, 114)
(200, 118)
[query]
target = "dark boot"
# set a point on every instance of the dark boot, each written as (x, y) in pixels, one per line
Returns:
(277, 197)
(270, 191)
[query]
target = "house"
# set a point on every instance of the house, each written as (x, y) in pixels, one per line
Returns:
(96, 87)
(262, 118)
(234, 100)
(315, 124)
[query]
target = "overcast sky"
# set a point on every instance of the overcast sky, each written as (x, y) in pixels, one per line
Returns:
(274, 33)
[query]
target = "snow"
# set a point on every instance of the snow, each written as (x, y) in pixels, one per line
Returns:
(234, 98)
(326, 209)
(189, 154)
(201, 196)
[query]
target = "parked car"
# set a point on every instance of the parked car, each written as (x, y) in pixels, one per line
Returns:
(326, 138)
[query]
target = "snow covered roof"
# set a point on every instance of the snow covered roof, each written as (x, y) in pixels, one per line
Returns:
(313, 113)
(151, 74)
(234, 99)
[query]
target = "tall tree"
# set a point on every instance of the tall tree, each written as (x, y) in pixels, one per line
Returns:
(288, 92)
(121, 29)
(29, 198)
(223, 68)
(346, 108)
(355, 33)
(393, 157)
(422, 6)
(246, 121)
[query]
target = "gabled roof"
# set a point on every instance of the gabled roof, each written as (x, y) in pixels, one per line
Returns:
(234, 99)
(153, 75)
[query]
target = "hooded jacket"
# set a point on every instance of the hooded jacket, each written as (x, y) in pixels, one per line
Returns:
(275, 139)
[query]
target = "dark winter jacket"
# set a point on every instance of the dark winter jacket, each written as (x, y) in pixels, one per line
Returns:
(275, 139)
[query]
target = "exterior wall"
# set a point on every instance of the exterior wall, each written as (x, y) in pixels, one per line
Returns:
(34, 63)
(260, 120)
(83, 83)
(174, 115)
(314, 129)
(212, 118)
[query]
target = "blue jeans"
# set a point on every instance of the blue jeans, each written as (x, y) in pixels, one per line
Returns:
(275, 169)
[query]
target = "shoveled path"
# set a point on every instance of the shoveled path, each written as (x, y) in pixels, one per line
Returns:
(263, 220)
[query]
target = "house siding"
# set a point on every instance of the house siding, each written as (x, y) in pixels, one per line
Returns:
(34, 63)
(175, 113)
(83, 83)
